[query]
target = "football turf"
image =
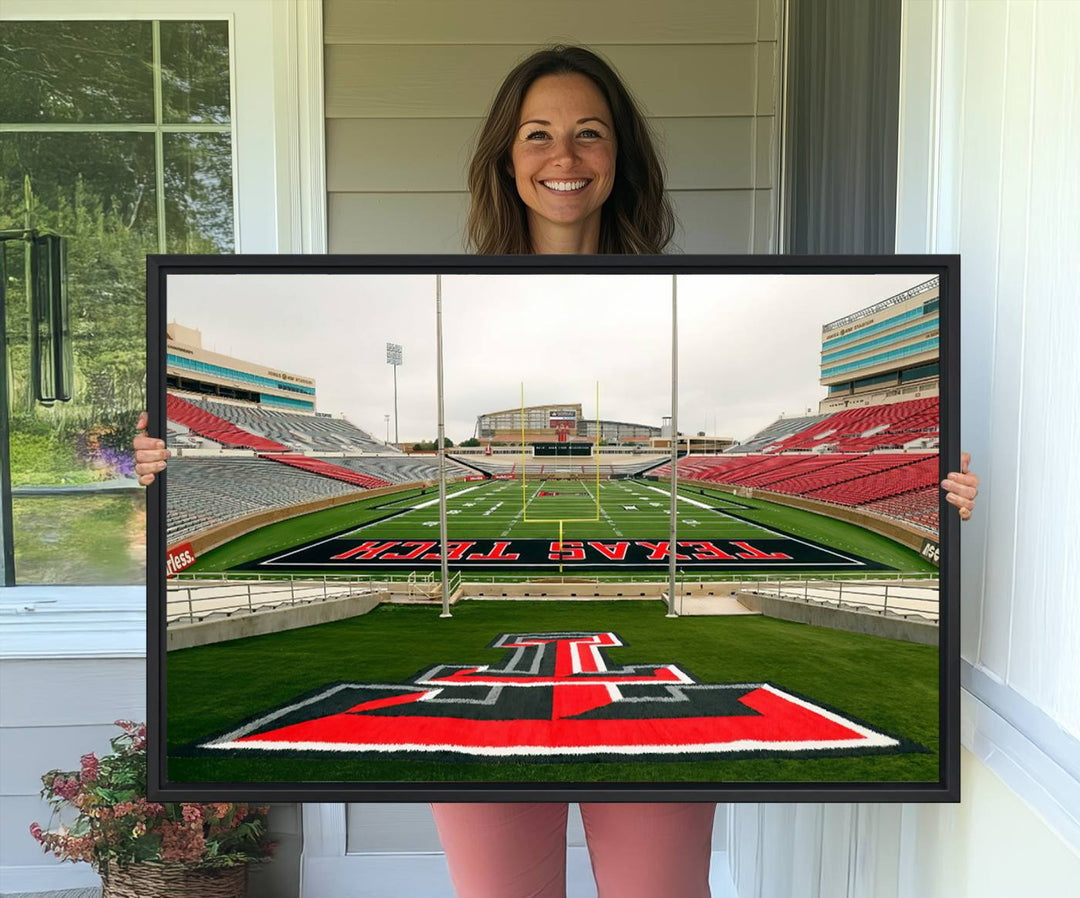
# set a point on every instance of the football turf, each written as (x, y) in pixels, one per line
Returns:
(888, 685)
(501, 509)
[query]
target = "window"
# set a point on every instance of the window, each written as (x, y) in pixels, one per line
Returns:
(882, 357)
(920, 372)
(896, 337)
(118, 136)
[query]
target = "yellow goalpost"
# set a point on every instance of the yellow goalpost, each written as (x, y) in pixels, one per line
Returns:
(524, 486)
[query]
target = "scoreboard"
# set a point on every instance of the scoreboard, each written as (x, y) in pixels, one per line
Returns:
(562, 450)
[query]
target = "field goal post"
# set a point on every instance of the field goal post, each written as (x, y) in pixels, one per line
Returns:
(563, 429)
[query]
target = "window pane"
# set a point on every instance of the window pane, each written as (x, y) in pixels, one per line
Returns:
(195, 72)
(81, 539)
(198, 193)
(78, 517)
(98, 191)
(76, 72)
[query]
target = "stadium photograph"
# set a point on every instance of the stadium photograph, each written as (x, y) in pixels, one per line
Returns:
(348, 601)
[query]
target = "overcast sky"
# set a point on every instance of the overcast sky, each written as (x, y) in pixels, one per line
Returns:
(749, 345)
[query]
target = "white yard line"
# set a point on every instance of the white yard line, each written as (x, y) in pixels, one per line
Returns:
(611, 523)
(513, 521)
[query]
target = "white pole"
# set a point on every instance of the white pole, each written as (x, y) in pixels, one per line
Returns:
(442, 451)
(674, 443)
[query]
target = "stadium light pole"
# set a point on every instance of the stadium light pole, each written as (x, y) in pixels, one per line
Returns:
(387, 417)
(393, 357)
(672, 547)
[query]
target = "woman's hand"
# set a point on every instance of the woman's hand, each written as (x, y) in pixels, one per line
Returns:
(150, 454)
(961, 487)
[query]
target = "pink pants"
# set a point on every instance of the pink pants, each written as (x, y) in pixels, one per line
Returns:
(519, 850)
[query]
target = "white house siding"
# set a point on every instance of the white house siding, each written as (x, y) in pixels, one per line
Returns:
(989, 141)
(53, 711)
(408, 83)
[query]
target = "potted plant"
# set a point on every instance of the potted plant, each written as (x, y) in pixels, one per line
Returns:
(143, 848)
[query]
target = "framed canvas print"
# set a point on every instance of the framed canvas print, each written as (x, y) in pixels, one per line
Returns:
(454, 528)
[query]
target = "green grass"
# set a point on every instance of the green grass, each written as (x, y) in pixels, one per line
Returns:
(890, 686)
(629, 510)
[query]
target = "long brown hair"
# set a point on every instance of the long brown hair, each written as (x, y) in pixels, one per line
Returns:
(636, 218)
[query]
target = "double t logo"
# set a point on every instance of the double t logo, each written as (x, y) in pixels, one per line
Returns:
(554, 695)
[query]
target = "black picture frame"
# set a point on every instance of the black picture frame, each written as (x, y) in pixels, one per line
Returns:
(945, 789)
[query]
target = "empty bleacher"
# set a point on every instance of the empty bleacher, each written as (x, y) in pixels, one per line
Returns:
(203, 492)
(778, 430)
(893, 481)
(490, 467)
(636, 467)
(305, 433)
(208, 424)
(847, 468)
(328, 469)
(403, 469)
(868, 428)
(919, 507)
(716, 468)
(177, 436)
(895, 484)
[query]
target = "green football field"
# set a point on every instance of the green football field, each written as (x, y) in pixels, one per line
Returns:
(218, 691)
(888, 686)
(613, 528)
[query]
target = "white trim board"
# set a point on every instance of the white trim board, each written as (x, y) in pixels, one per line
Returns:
(1024, 766)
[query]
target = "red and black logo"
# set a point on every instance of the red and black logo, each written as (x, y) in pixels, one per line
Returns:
(555, 696)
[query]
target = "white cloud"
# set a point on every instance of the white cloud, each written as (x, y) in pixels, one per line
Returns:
(749, 344)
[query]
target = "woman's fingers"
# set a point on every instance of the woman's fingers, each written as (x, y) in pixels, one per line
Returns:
(150, 452)
(961, 487)
(965, 485)
(960, 501)
(963, 505)
(147, 450)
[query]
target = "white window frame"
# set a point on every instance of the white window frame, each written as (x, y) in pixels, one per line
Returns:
(279, 203)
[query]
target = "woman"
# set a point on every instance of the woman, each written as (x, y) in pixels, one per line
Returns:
(565, 164)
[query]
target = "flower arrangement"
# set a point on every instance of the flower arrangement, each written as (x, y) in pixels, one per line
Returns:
(116, 826)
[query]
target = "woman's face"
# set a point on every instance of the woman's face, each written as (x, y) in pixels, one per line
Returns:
(563, 154)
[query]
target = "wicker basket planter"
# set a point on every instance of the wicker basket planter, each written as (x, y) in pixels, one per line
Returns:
(174, 881)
